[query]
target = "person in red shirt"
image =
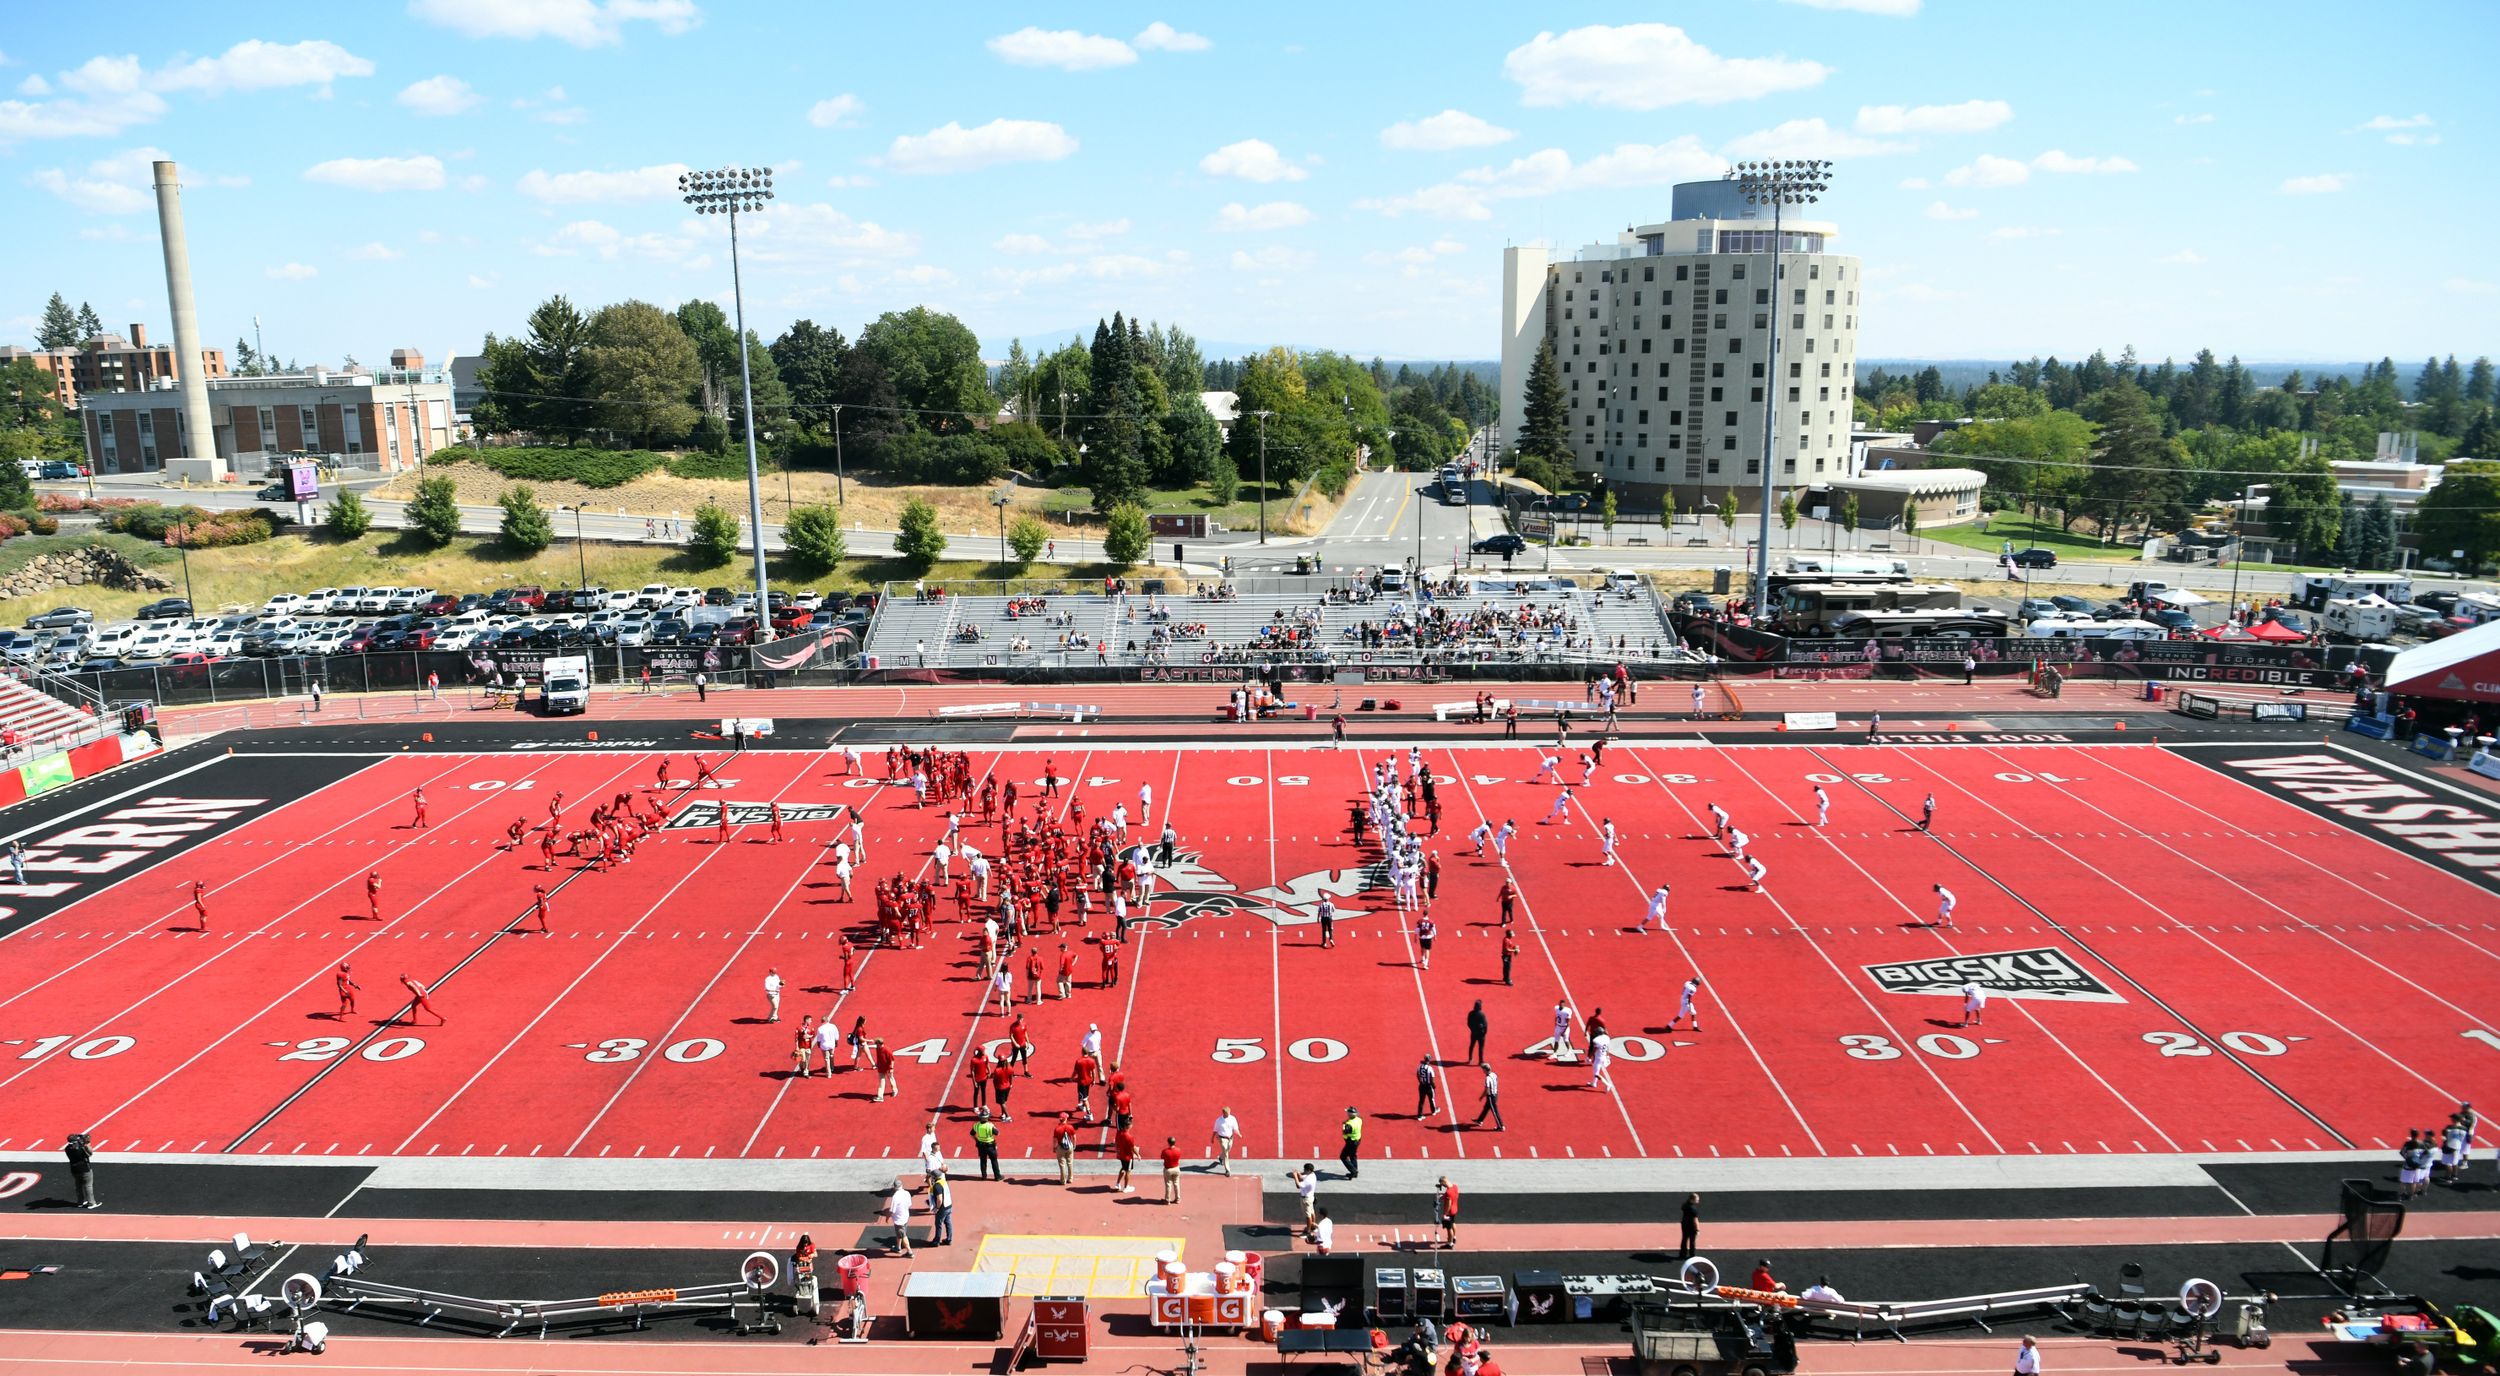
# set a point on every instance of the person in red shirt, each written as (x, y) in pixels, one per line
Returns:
(1110, 965)
(1123, 1106)
(1762, 1279)
(848, 953)
(1171, 1170)
(419, 800)
(1124, 1147)
(373, 894)
(979, 1068)
(1445, 1211)
(1510, 900)
(347, 992)
(422, 1004)
(1033, 975)
(513, 833)
(723, 838)
(882, 1057)
(660, 777)
(1020, 1046)
(538, 904)
(199, 901)
(1086, 1073)
(1002, 1085)
(547, 850)
(1510, 952)
(1067, 971)
(777, 836)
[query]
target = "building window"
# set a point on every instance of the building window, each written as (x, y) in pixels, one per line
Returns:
(1649, 274)
(1736, 344)
(1675, 441)
(1719, 321)
(1644, 418)
(1714, 393)
(1813, 270)
(1675, 418)
(1761, 320)
(1680, 273)
(1718, 370)
(1739, 273)
(1827, 394)
(147, 426)
(1827, 320)
(1720, 297)
(1827, 296)
(1762, 296)
(268, 428)
(1792, 370)
(1757, 394)
(1809, 343)
(1730, 422)
(1726, 442)
(1798, 321)
(1644, 439)
(1679, 344)
(1644, 349)
(1801, 297)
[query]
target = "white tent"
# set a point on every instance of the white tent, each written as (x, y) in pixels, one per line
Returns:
(2180, 598)
(2464, 667)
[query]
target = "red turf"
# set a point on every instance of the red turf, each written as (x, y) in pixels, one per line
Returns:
(2317, 982)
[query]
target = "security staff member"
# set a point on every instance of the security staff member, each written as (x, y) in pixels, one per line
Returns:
(1350, 1155)
(985, 1142)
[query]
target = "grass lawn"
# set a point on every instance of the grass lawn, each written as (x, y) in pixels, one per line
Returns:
(249, 575)
(2025, 533)
(1240, 514)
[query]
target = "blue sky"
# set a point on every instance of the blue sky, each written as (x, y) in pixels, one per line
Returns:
(2284, 182)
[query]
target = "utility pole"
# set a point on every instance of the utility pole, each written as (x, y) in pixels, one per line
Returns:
(1262, 415)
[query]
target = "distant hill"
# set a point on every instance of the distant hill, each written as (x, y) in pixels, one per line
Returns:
(1962, 373)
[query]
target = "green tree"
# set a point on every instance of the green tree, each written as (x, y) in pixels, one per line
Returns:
(1728, 512)
(1788, 515)
(1125, 534)
(1849, 518)
(2305, 507)
(1606, 512)
(714, 538)
(2482, 437)
(17, 491)
(349, 518)
(435, 512)
(808, 359)
(716, 353)
(59, 328)
(1544, 416)
(917, 537)
(2462, 513)
(526, 525)
(90, 324)
(503, 375)
(2136, 472)
(1223, 481)
(1013, 387)
(935, 363)
(1909, 518)
(643, 372)
(26, 396)
(813, 536)
(1114, 462)
(549, 391)
(1027, 535)
(1194, 442)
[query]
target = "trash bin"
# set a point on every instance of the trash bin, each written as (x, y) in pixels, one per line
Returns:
(2152, 690)
(853, 1269)
(1721, 580)
(1310, 711)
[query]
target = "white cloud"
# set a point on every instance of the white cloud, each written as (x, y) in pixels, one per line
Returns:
(841, 112)
(439, 95)
(2409, 140)
(474, 182)
(1163, 38)
(1940, 211)
(611, 243)
(2318, 185)
(1551, 170)
(1252, 160)
(635, 184)
(376, 252)
(816, 233)
(293, 272)
(2468, 286)
(952, 148)
(2202, 117)
(1112, 267)
(1273, 258)
(1914, 183)
(1021, 243)
(34, 85)
(421, 173)
(1810, 138)
(2059, 160)
(1969, 117)
(1099, 229)
(2025, 232)
(1443, 132)
(1268, 215)
(252, 65)
(118, 185)
(2383, 123)
(1065, 49)
(1645, 67)
(2186, 257)
(582, 23)
(923, 275)
(107, 95)
(1892, 9)
(1413, 259)
(1988, 170)
(481, 283)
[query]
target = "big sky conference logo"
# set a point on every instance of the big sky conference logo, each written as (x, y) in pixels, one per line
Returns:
(1184, 889)
(2043, 972)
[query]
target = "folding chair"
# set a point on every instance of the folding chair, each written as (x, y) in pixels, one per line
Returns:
(205, 1283)
(246, 1253)
(224, 1269)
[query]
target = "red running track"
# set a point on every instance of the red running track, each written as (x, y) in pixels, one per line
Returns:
(2266, 980)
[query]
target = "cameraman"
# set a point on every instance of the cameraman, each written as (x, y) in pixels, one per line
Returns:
(81, 1153)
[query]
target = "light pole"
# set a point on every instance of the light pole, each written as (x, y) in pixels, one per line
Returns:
(1778, 184)
(839, 497)
(1262, 415)
(1000, 499)
(726, 191)
(581, 557)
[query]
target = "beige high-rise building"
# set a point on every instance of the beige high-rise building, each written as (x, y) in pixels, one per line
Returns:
(1663, 340)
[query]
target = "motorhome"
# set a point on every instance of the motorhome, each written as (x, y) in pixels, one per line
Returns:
(2072, 628)
(1815, 608)
(2315, 590)
(1900, 625)
(2366, 619)
(1847, 566)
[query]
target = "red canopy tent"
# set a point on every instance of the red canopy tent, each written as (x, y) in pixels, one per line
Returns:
(2464, 667)
(2270, 632)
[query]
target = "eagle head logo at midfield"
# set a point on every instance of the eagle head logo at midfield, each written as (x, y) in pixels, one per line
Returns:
(1188, 888)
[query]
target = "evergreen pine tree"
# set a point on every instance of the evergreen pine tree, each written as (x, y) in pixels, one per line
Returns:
(59, 329)
(1542, 425)
(89, 323)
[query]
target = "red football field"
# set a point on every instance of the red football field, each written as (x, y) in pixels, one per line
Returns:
(2180, 963)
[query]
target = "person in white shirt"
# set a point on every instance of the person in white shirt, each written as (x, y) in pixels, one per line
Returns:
(1974, 1003)
(1501, 840)
(1737, 840)
(1482, 834)
(1306, 1184)
(1821, 1291)
(1562, 805)
(1657, 909)
(1685, 1008)
(1562, 1029)
(1601, 1055)
(2027, 1358)
(1323, 1233)
(1754, 870)
(1145, 804)
(1944, 906)
(1606, 841)
(772, 993)
(945, 863)
(1545, 767)
(1227, 1127)
(1822, 806)
(827, 1038)
(1718, 822)
(898, 1213)
(1093, 1041)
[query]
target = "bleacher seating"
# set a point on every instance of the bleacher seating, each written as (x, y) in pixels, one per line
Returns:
(37, 722)
(975, 630)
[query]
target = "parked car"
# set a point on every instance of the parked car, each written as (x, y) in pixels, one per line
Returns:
(2035, 558)
(275, 492)
(440, 604)
(60, 618)
(164, 607)
(1500, 544)
(2172, 619)
(2071, 605)
(1694, 602)
(2034, 609)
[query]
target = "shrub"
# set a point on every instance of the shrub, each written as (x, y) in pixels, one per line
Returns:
(1223, 481)
(219, 529)
(44, 524)
(1125, 534)
(918, 538)
(1026, 535)
(813, 537)
(715, 538)
(552, 464)
(526, 526)
(435, 514)
(730, 463)
(150, 520)
(350, 518)
(11, 525)
(944, 459)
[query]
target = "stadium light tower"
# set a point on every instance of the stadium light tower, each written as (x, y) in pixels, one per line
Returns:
(1777, 184)
(726, 191)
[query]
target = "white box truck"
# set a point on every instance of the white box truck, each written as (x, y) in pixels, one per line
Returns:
(564, 685)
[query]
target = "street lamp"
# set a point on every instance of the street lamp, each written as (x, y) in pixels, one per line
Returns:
(580, 555)
(1000, 499)
(1777, 184)
(839, 499)
(1262, 415)
(726, 191)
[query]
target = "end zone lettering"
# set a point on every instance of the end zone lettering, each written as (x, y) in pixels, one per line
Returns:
(2040, 973)
(2455, 833)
